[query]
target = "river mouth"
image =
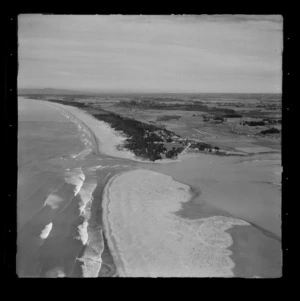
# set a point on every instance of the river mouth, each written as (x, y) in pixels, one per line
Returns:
(218, 187)
(246, 189)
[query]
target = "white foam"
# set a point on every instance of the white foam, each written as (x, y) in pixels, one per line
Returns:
(75, 177)
(56, 272)
(150, 240)
(91, 257)
(85, 193)
(107, 166)
(53, 200)
(46, 231)
(85, 204)
(82, 154)
(85, 133)
(99, 167)
(83, 233)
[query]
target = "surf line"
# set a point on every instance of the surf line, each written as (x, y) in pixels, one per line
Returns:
(107, 233)
(68, 113)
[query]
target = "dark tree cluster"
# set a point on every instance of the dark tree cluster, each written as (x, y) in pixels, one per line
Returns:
(253, 123)
(71, 103)
(143, 139)
(174, 152)
(233, 115)
(219, 118)
(201, 146)
(270, 131)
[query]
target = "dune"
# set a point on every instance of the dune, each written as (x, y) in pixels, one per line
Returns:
(108, 140)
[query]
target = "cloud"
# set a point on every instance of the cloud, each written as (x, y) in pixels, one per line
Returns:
(151, 52)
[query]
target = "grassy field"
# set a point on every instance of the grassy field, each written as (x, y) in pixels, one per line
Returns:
(176, 114)
(226, 135)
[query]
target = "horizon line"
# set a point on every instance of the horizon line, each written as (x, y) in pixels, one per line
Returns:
(145, 92)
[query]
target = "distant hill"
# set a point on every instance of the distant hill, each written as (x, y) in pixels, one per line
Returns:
(50, 91)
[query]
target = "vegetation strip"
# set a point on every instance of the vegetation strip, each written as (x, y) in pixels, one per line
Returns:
(144, 140)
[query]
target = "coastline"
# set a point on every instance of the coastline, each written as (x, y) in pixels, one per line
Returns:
(101, 131)
(182, 248)
(108, 140)
(112, 245)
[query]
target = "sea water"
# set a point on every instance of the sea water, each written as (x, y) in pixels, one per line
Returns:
(247, 188)
(61, 176)
(59, 169)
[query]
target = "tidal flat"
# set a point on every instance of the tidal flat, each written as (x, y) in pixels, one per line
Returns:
(74, 191)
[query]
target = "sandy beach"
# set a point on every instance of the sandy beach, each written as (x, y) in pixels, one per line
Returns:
(121, 196)
(159, 220)
(149, 146)
(58, 174)
(151, 241)
(108, 140)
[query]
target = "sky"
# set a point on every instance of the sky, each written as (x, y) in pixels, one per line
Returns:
(143, 53)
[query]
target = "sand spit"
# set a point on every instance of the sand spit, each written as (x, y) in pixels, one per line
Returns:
(108, 140)
(148, 240)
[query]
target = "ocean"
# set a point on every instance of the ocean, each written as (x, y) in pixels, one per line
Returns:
(62, 176)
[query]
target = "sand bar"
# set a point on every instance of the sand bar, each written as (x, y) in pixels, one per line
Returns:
(149, 240)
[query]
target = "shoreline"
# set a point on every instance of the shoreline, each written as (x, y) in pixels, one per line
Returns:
(115, 153)
(112, 244)
(102, 131)
(110, 142)
(113, 145)
(182, 156)
(216, 241)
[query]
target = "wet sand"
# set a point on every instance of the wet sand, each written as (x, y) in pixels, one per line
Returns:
(222, 192)
(149, 240)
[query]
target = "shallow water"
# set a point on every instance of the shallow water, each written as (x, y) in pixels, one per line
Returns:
(246, 189)
(59, 171)
(60, 183)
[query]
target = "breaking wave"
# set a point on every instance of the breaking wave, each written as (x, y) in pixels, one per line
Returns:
(91, 257)
(85, 204)
(57, 272)
(46, 231)
(75, 177)
(53, 200)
